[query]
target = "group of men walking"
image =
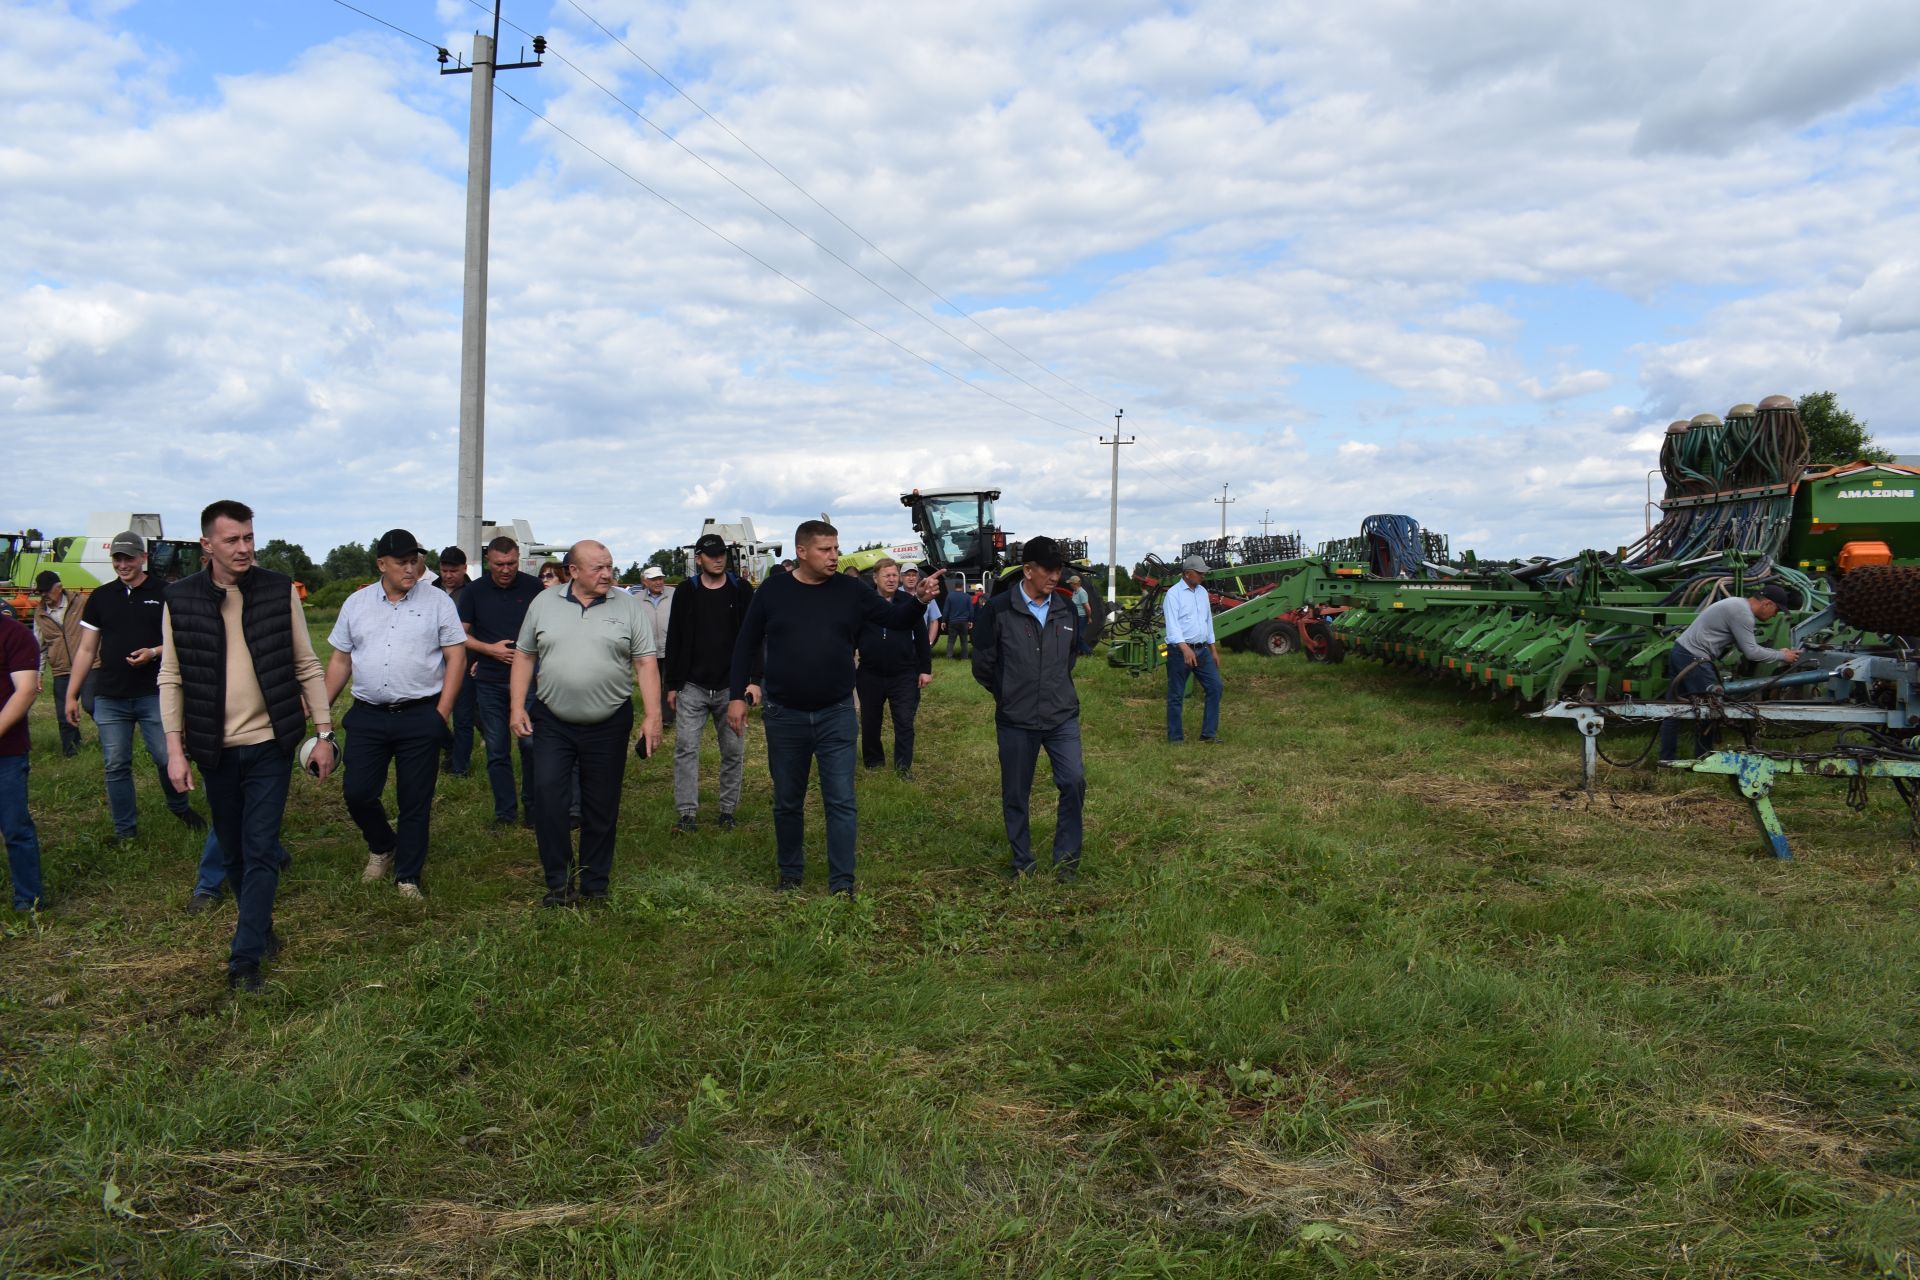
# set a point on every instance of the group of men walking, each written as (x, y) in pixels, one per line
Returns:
(219, 674)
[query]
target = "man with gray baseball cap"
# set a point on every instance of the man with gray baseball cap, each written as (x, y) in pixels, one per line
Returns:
(1188, 613)
(121, 627)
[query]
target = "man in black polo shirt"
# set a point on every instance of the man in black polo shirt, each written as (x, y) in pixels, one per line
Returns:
(491, 611)
(121, 627)
(810, 620)
(459, 754)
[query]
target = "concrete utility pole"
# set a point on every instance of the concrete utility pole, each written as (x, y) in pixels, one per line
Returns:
(1266, 522)
(1113, 509)
(1224, 502)
(473, 316)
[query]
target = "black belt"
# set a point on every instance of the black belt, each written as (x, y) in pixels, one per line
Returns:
(395, 708)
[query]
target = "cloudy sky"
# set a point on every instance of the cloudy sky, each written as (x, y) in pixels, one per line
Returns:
(1458, 260)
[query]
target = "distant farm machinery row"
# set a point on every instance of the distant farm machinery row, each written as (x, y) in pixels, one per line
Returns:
(1586, 637)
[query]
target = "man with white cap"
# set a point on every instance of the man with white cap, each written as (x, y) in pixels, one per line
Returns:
(400, 643)
(659, 601)
(1188, 614)
(121, 626)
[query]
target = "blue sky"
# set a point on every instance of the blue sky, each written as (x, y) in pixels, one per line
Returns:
(1352, 261)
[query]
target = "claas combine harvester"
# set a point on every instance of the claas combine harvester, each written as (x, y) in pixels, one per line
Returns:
(1586, 637)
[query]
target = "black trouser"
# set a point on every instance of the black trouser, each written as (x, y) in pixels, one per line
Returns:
(1688, 675)
(247, 796)
(459, 753)
(70, 734)
(878, 692)
(961, 631)
(1019, 752)
(599, 753)
(410, 737)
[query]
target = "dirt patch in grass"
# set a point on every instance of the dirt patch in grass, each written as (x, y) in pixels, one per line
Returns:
(1566, 806)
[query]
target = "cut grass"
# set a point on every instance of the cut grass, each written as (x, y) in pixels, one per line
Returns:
(1371, 988)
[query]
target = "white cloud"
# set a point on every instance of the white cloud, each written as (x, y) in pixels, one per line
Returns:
(1312, 251)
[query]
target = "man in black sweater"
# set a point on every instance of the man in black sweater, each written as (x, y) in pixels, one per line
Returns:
(896, 663)
(708, 611)
(809, 622)
(1024, 645)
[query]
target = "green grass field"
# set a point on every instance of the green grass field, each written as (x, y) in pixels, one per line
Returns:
(1365, 990)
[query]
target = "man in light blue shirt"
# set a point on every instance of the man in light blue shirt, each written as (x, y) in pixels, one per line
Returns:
(400, 643)
(1188, 614)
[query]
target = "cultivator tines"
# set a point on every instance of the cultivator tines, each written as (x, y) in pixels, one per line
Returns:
(1435, 545)
(1072, 548)
(1219, 553)
(1266, 548)
(1881, 598)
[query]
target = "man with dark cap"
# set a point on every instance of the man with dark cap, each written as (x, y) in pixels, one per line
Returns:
(121, 627)
(1720, 626)
(701, 630)
(1025, 642)
(458, 759)
(896, 663)
(56, 625)
(400, 643)
(1187, 610)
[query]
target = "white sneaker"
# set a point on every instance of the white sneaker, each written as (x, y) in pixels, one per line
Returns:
(379, 867)
(408, 889)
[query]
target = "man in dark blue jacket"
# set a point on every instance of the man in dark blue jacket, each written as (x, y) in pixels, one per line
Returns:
(956, 615)
(1025, 643)
(896, 663)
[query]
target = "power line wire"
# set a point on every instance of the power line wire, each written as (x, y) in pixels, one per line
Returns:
(431, 44)
(694, 218)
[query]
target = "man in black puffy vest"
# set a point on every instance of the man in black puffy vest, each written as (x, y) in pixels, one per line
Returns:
(238, 679)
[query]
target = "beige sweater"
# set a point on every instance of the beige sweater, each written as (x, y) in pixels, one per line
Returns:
(247, 720)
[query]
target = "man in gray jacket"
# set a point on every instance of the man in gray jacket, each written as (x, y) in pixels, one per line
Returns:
(1722, 625)
(1025, 642)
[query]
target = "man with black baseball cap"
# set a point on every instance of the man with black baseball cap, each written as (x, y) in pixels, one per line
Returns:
(458, 758)
(400, 642)
(1720, 626)
(121, 626)
(697, 671)
(1025, 642)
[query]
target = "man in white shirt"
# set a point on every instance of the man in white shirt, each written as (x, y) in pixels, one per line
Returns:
(1188, 613)
(400, 642)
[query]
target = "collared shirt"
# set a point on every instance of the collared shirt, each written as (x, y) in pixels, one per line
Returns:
(396, 647)
(1188, 614)
(586, 651)
(495, 614)
(1038, 608)
(127, 618)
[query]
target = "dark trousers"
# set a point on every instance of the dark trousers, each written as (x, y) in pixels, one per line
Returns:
(878, 693)
(70, 734)
(491, 703)
(795, 739)
(1207, 671)
(1694, 682)
(1019, 752)
(459, 756)
(961, 631)
(599, 753)
(410, 739)
(247, 796)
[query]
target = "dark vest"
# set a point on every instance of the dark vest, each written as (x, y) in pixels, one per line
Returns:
(200, 643)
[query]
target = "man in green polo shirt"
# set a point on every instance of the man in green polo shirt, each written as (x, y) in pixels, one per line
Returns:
(591, 645)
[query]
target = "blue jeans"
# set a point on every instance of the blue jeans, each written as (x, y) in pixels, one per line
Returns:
(23, 841)
(490, 700)
(459, 754)
(794, 740)
(1699, 678)
(247, 793)
(1019, 752)
(212, 875)
(1207, 671)
(116, 719)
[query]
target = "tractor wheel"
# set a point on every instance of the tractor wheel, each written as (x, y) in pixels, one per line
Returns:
(1322, 645)
(1881, 598)
(1274, 638)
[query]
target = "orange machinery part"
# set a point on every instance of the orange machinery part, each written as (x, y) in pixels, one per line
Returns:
(1855, 554)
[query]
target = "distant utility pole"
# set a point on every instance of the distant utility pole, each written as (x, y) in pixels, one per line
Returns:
(473, 319)
(1224, 502)
(1266, 522)
(1113, 508)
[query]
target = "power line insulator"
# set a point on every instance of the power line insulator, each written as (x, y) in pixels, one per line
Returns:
(443, 57)
(539, 46)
